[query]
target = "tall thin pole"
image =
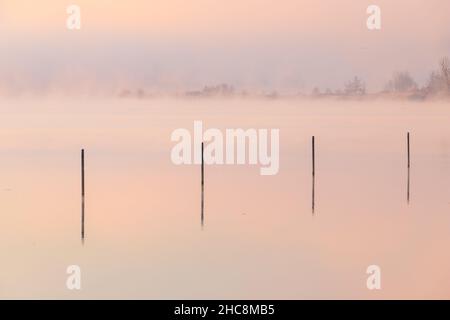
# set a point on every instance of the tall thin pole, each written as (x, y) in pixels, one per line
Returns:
(313, 157)
(203, 189)
(409, 155)
(313, 173)
(82, 194)
(409, 167)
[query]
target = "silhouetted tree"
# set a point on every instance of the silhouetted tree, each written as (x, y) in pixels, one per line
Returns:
(355, 87)
(439, 81)
(316, 91)
(401, 82)
(435, 83)
(445, 72)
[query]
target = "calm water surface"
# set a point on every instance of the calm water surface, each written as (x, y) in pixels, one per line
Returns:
(260, 240)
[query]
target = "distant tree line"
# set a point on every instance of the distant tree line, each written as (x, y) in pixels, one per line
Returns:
(401, 82)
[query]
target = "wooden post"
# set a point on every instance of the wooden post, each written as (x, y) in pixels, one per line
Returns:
(82, 194)
(203, 189)
(313, 157)
(313, 173)
(409, 155)
(409, 167)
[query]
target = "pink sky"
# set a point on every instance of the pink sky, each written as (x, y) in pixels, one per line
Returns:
(289, 44)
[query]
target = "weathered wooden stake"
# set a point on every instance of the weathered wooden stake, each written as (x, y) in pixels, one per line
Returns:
(409, 155)
(82, 194)
(409, 167)
(313, 173)
(203, 189)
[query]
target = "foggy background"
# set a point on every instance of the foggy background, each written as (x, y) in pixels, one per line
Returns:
(174, 45)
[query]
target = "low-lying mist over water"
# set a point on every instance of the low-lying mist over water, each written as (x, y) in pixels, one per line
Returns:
(260, 238)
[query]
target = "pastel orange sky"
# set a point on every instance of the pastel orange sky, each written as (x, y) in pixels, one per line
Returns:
(294, 44)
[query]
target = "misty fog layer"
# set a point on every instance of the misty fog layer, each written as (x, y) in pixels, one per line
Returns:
(170, 45)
